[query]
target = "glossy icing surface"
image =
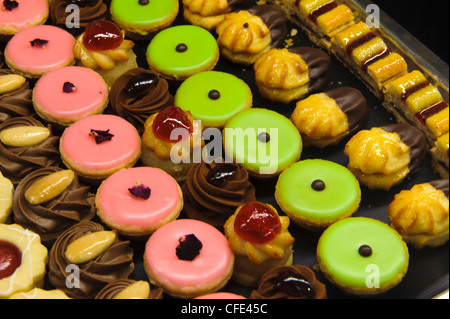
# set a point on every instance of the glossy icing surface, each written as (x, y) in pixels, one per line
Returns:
(202, 50)
(58, 52)
(148, 15)
(284, 147)
(338, 253)
(27, 13)
(119, 206)
(296, 192)
(210, 265)
(80, 147)
(194, 95)
(90, 93)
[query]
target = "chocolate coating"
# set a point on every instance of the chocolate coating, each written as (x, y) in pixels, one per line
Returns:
(414, 139)
(215, 202)
(269, 285)
(115, 287)
(441, 184)
(116, 262)
(319, 67)
(137, 109)
(18, 162)
(16, 103)
(89, 11)
(353, 104)
(50, 219)
(275, 19)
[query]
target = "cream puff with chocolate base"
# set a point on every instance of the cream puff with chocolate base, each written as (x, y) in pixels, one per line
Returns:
(383, 156)
(325, 119)
(284, 75)
(208, 14)
(244, 35)
(420, 214)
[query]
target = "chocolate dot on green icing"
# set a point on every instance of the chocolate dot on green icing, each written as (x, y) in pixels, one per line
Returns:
(214, 95)
(365, 251)
(143, 2)
(181, 48)
(318, 185)
(264, 137)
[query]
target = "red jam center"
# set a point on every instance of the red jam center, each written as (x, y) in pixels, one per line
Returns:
(10, 258)
(257, 223)
(102, 35)
(167, 120)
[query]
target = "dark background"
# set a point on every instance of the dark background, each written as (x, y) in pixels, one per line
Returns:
(427, 20)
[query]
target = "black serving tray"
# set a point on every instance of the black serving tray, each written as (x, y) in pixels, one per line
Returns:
(428, 273)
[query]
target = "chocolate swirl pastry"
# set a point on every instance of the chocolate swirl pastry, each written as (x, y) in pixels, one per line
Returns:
(18, 162)
(111, 290)
(75, 204)
(214, 191)
(289, 282)
(17, 102)
(90, 10)
(137, 94)
(116, 262)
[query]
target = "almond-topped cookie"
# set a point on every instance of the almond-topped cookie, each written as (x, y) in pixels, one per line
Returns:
(244, 35)
(26, 144)
(383, 156)
(50, 200)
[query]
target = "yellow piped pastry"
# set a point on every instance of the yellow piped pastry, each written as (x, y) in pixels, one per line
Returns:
(284, 75)
(23, 260)
(205, 13)
(420, 215)
(260, 240)
(209, 13)
(244, 35)
(383, 156)
(324, 119)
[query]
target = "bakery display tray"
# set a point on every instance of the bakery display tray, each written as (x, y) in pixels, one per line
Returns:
(428, 273)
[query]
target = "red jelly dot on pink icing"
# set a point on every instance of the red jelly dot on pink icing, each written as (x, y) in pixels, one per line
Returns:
(10, 258)
(169, 119)
(102, 35)
(257, 223)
